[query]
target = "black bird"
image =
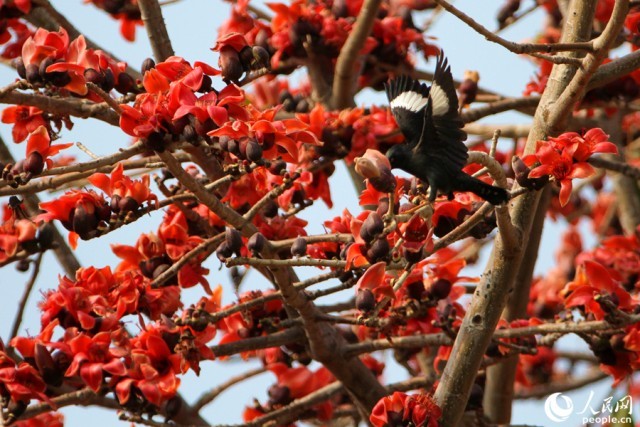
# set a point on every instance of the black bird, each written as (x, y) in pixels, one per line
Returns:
(434, 152)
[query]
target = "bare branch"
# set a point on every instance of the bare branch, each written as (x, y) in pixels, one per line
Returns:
(344, 80)
(156, 29)
(22, 304)
(518, 48)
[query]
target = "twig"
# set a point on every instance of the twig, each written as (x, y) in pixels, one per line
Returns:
(205, 248)
(345, 73)
(212, 394)
(105, 96)
(296, 262)
(22, 304)
(518, 48)
(156, 29)
(63, 106)
(441, 338)
(64, 254)
(545, 390)
(615, 166)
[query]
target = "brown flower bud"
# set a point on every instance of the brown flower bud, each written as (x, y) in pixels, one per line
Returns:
(253, 151)
(229, 63)
(440, 289)
(234, 240)
(147, 65)
(256, 243)
(371, 227)
(365, 301)
(34, 163)
(299, 247)
(379, 250)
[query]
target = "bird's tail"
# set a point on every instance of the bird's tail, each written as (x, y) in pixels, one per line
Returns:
(490, 193)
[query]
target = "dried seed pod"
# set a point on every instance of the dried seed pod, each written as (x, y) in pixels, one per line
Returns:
(256, 243)
(371, 227)
(365, 300)
(299, 247)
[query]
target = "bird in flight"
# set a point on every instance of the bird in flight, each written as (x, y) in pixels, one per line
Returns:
(429, 119)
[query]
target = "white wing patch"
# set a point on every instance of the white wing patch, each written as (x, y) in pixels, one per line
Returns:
(440, 102)
(410, 100)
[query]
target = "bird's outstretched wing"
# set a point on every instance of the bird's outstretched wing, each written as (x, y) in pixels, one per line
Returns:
(408, 99)
(442, 135)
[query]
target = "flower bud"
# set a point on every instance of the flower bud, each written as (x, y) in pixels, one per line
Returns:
(32, 74)
(299, 247)
(147, 65)
(256, 243)
(92, 75)
(34, 163)
(440, 289)
(261, 59)
(125, 83)
(371, 227)
(507, 11)
(279, 395)
(379, 250)
(229, 63)
(521, 173)
(246, 57)
(469, 87)
(374, 166)
(253, 151)
(234, 240)
(224, 251)
(128, 204)
(365, 301)
(20, 68)
(84, 222)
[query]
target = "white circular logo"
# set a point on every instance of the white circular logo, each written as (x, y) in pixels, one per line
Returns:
(555, 411)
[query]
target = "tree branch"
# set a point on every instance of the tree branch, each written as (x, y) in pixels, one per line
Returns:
(156, 29)
(345, 78)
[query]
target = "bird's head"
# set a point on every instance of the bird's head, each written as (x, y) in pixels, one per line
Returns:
(398, 155)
